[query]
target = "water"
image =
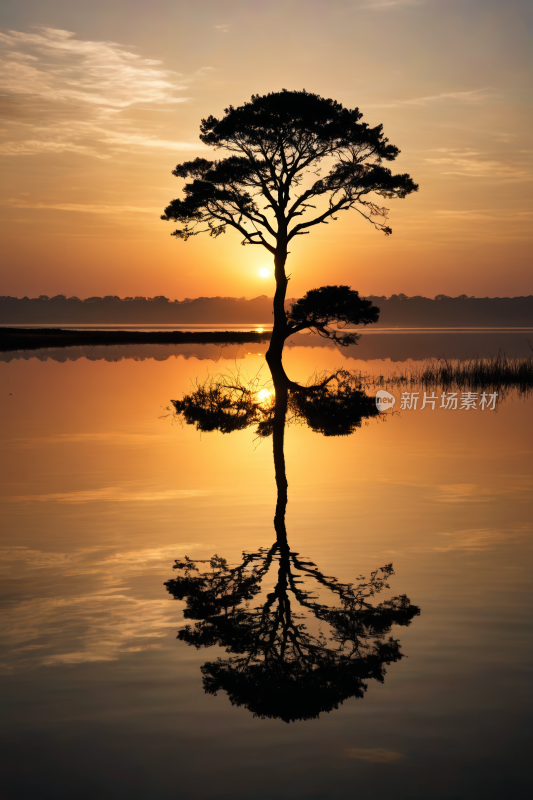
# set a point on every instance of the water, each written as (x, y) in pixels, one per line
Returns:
(389, 345)
(103, 490)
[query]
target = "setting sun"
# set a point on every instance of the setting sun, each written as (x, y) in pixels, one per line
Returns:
(263, 395)
(265, 273)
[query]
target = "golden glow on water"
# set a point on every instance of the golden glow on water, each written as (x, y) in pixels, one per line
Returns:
(102, 492)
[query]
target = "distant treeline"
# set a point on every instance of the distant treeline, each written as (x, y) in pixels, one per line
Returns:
(396, 311)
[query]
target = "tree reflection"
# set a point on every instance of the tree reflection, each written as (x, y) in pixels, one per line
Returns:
(335, 405)
(311, 642)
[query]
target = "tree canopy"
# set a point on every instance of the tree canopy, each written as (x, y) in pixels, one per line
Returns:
(295, 160)
(278, 667)
(275, 142)
(305, 642)
(333, 405)
(322, 308)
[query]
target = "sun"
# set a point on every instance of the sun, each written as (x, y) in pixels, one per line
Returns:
(264, 394)
(265, 273)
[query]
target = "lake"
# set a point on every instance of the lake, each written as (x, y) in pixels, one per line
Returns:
(411, 680)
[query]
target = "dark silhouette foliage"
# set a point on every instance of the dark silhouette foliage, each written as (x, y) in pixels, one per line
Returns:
(270, 188)
(334, 405)
(322, 308)
(221, 406)
(278, 667)
(276, 140)
(292, 653)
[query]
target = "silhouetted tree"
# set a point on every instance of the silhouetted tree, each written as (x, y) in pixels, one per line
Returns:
(277, 666)
(322, 308)
(270, 189)
(333, 405)
(224, 405)
(336, 406)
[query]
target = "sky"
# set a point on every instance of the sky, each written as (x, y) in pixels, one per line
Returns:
(100, 101)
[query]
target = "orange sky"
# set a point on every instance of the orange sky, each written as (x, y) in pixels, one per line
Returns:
(94, 121)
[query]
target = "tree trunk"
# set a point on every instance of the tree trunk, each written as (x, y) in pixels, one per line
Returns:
(275, 351)
(278, 439)
(282, 545)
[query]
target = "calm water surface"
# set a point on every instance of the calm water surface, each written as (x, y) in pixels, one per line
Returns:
(103, 491)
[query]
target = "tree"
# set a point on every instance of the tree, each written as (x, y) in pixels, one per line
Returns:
(279, 665)
(322, 308)
(270, 189)
(335, 405)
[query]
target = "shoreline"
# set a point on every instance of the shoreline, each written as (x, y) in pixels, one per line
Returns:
(37, 338)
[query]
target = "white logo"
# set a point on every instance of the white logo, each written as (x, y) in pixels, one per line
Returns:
(384, 400)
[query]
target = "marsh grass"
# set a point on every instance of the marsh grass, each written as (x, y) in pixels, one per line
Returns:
(497, 373)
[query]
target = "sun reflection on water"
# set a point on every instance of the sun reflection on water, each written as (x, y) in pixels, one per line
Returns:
(264, 395)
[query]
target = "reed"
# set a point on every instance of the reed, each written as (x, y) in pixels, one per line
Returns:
(497, 373)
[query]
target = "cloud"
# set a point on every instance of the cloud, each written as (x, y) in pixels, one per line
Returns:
(377, 756)
(111, 437)
(514, 165)
(87, 560)
(470, 97)
(474, 96)
(378, 5)
(484, 215)
(222, 28)
(86, 208)
(112, 494)
(64, 94)
(86, 610)
(63, 68)
(462, 493)
(472, 492)
(479, 539)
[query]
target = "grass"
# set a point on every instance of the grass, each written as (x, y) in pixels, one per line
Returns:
(497, 373)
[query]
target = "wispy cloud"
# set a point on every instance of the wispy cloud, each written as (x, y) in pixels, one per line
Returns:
(379, 5)
(62, 93)
(485, 215)
(113, 494)
(474, 96)
(470, 97)
(520, 487)
(463, 493)
(513, 165)
(109, 437)
(101, 621)
(478, 539)
(86, 208)
(222, 28)
(376, 756)
(53, 64)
